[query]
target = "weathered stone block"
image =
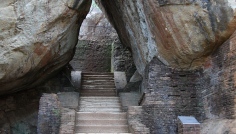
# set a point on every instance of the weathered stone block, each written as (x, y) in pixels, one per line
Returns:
(76, 79)
(188, 125)
(120, 80)
(69, 99)
(49, 114)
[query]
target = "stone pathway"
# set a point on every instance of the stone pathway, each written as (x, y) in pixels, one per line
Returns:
(99, 108)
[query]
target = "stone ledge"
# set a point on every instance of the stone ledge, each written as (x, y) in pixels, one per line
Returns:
(69, 99)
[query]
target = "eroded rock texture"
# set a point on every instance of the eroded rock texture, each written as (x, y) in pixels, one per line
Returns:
(180, 33)
(96, 27)
(37, 38)
(93, 51)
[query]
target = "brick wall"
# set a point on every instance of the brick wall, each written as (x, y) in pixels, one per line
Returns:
(168, 94)
(188, 125)
(134, 119)
(188, 129)
(19, 111)
(49, 115)
(92, 56)
(208, 93)
(219, 81)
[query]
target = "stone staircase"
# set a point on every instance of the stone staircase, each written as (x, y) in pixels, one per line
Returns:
(98, 84)
(99, 107)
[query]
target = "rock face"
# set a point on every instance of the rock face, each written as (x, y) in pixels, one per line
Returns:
(96, 27)
(37, 38)
(93, 51)
(180, 33)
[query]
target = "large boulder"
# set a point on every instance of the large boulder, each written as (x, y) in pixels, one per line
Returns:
(37, 38)
(181, 33)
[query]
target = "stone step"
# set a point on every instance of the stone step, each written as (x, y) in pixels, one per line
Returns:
(93, 91)
(98, 94)
(111, 93)
(103, 133)
(97, 78)
(100, 109)
(100, 101)
(99, 104)
(100, 116)
(96, 100)
(85, 103)
(98, 83)
(91, 82)
(102, 129)
(95, 86)
(94, 80)
(99, 98)
(97, 73)
(101, 122)
(88, 104)
(98, 88)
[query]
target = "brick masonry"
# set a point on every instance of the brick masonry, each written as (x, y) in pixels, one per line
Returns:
(49, 115)
(219, 81)
(188, 125)
(56, 113)
(19, 111)
(169, 93)
(134, 119)
(188, 128)
(92, 56)
(208, 93)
